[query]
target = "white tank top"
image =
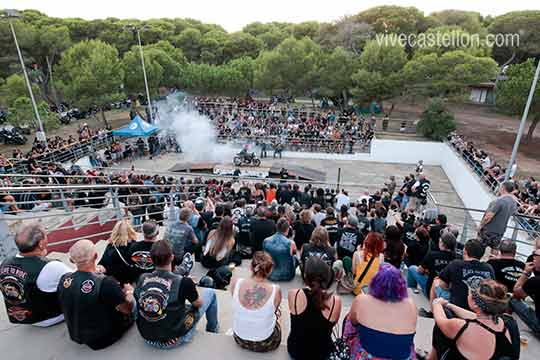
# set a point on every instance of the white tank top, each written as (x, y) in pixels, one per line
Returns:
(253, 325)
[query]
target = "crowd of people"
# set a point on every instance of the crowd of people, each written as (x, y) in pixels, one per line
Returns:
(493, 174)
(301, 128)
(338, 245)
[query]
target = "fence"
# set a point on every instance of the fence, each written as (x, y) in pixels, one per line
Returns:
(469, 224)
(70, 153)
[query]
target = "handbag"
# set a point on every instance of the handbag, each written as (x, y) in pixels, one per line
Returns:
(341, 350)
(346, 285)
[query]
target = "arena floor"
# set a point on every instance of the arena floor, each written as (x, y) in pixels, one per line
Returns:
(357, 177)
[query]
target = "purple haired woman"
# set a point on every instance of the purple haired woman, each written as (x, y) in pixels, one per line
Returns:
(382, 324)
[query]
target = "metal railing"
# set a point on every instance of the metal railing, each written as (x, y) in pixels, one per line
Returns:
(467, 220)
(529, 224)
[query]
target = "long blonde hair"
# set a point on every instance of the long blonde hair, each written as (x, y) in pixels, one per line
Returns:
(122, 234)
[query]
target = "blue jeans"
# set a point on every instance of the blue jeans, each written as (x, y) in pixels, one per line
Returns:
(404, 202)
(526, 313)
(414, 278)
(209, 307)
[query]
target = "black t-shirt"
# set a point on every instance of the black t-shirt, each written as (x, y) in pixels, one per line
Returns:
(416, 251)
(112, 295)
(461, 275)
(117, 264)
(332, 227)
(325, 253)
(302, 233)
(139, 257)
(348, 240)
(435, 262)
(532, 288)
(260, 230)
(507, 271)
(187, 291)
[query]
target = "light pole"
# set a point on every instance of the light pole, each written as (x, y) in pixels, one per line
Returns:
(137, 29)
(9, 13)
(522, 124)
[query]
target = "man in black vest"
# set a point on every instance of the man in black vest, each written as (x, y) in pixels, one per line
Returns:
(164, 320)
(97, 310)
(29, 280)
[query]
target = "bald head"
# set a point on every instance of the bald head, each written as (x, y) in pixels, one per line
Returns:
(83, 252)
(29, 237)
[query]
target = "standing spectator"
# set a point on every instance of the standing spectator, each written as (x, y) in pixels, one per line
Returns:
(495, 220)
(382, 323)
(391, 185)
(282, 251)
(164, 320)
(314, 313)
(97, 309)
(528, 286)
(116, 256)
(29, 281)
(303, 229)
(342, 199)
(255, 306)
(507, 268)
(261, 228)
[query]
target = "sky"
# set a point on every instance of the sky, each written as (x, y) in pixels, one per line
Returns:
(234, 14)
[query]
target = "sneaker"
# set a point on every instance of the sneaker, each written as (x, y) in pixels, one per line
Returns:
(185, 267)
(425, 313)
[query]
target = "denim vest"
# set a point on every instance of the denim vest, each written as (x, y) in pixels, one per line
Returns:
(279, 247)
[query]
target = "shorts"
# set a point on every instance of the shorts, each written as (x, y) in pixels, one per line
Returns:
(270, 344)
(491, 239)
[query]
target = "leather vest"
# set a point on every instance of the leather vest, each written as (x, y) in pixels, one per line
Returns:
(25, 303)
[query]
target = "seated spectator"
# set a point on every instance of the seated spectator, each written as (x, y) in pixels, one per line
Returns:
(181, 236)
(349, 238)
(282, 251)
(164, 320)
(528, 286)
(507, 268)
(436, 229)
(366, 261)
(394, 251)
(330, 223)
(318, 246)
(255, 305)
(460, 275)
(417, 250)
(434, 262)
(29, 281)
(314, 313)
(97, 309)
(303, 229)
(382, 323)
(378, 223)
(117, 253)
(261, 228)
(219, 245)
(480, 333)
(139, 251)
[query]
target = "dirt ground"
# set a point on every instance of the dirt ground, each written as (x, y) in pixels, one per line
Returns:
(491, 131)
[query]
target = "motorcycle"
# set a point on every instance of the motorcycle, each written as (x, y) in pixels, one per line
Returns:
(246, 159)
(12, 137)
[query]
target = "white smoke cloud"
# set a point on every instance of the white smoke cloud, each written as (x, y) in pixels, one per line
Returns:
(194, 132)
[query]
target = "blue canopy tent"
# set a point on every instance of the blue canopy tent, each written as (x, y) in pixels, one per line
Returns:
(136, 128)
